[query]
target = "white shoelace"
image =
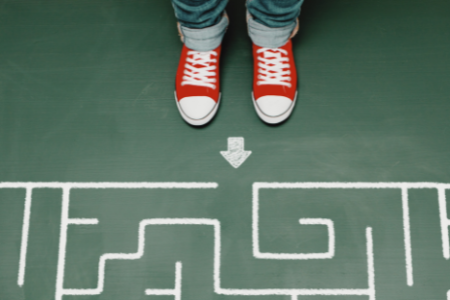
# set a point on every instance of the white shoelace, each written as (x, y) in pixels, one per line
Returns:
(271, 65)
(198, 69)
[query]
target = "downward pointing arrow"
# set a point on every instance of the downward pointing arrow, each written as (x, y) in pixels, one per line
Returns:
(236, 155)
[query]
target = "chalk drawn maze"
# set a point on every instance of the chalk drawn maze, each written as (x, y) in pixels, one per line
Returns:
(215, 226)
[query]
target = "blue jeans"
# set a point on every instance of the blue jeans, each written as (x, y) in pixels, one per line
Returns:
(202, 23)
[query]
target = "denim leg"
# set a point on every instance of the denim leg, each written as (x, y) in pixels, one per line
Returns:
(202, 23)
(272, 22)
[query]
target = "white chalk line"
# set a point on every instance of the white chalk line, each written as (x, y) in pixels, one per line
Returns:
(178, 276)
(29, 186)
(403, 186)
(305, 256)
(83, 221)
(217, 260)
(370, 263)
(65, 221)
(62, 244)
(407, 237)
(294, 293)
(137, 255)
(25, 233)
(111, 185)
(176, 291)
(331, 244)
(445, 223)
(351, 185)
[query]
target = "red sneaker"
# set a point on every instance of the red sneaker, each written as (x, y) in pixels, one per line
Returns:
(274, 82)
(197, 90)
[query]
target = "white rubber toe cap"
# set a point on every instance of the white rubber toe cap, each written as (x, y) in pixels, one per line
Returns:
(274, 106)
(274, 109)
(197, 108)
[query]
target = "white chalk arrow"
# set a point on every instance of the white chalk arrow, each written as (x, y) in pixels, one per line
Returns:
(236, 155)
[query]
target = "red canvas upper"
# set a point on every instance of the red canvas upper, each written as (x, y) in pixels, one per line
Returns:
(259, 67)
(188, 89)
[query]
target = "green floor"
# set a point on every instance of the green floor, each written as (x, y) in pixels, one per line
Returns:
(86, 95)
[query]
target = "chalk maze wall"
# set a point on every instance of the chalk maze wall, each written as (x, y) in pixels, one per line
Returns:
(215, 225)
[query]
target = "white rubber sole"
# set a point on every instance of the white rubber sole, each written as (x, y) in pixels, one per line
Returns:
(198, 122)
(276, 119)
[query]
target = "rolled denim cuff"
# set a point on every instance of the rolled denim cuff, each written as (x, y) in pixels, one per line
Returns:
(204, 39)
(268, 37)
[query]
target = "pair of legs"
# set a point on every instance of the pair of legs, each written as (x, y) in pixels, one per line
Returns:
(270, 25)
(202, 25)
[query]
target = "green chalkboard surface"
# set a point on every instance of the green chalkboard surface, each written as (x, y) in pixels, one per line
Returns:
(105, 193)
